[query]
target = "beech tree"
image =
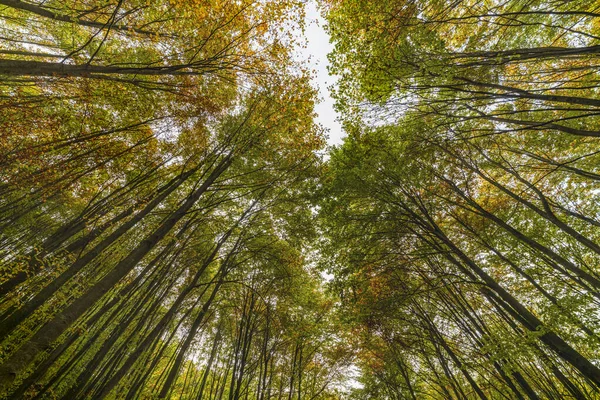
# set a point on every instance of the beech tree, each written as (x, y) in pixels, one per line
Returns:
(460, 208)
(156, 171)
(172, 228)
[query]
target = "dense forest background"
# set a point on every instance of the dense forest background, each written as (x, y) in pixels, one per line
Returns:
(173, 225)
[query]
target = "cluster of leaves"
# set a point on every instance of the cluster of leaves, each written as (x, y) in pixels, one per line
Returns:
(461, 214)
(158, 170)
(156, 165)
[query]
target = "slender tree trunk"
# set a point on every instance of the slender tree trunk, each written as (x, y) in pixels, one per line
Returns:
(50, 331)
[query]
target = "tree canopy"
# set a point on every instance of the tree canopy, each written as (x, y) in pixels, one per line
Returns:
(172, 224)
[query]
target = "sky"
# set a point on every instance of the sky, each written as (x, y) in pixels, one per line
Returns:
(315, 54)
